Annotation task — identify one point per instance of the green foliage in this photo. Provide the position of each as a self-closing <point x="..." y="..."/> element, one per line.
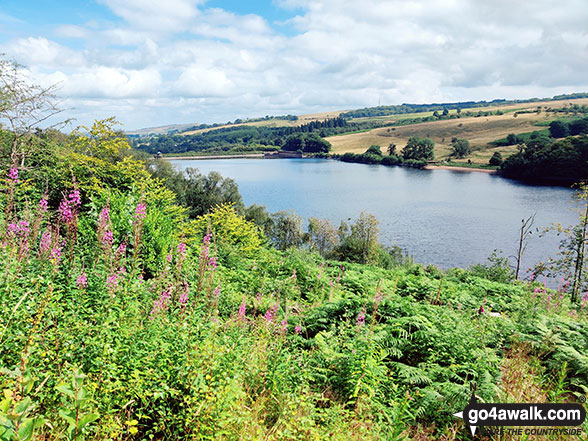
<point x="498" y="268"/>
<point x="306" y="142"/>
<point x="307" y="137"/>
<point x="230" y="230"/>
<point x="461" y="148"/>
<point x="564" y="161"/>
<point x="359" y="242"/>
<point x="418" y="149"/>
<point x="77" y="401"/>
<point x="496" y="159"/>
<point x="285" y="230"/>
<point x="374" y="150"/>
<point x="196" y="192"/>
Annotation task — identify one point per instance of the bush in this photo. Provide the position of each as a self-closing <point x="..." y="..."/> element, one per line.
<point x="496" y="159"/>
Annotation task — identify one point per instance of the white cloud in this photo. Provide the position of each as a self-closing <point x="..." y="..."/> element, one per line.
<point x="107" y="82"/>
<point x="179" y="61"/>
<point x="168" y="15"/>
<point x="197" y="81"/>
<point x="41" y="51"/>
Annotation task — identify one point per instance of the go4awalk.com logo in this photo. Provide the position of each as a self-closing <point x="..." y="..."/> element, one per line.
<point x="562" y="418"/>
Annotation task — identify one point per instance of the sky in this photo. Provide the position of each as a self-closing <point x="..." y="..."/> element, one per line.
<point x="151" y="62"/>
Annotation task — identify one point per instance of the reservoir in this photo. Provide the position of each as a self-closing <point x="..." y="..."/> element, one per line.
<point x="442" y="217"/>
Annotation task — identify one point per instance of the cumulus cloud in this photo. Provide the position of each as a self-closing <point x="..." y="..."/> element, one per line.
<point x="169" y="15"/>
<point x="107" y="82"/>
<point x="198" y="81"/>
<point x="181" y="61"/>
<point x="41" y="51"/>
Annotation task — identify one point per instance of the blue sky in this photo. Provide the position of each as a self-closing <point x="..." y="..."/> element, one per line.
<point x="152" y="63"/>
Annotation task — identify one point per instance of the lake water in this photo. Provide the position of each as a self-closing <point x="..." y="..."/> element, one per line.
<point x="443" y="217"/>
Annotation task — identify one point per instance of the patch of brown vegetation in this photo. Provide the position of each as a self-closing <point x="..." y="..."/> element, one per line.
<point x="479" y="131"/>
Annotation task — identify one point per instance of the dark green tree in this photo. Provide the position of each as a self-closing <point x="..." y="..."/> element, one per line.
<point x="512" y="139"/>
<point x="294" y="143"/>
<point x="578" y="126"/>
<point x="559" y="129"/>
<point x="315" y="144"/>
<point x="461" y="148"/>
<point x="419" y="148"/>
<point x="374" y="150"/>
<point x="496" y="159"/>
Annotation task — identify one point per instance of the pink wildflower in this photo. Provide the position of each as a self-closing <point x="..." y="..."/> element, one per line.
<point x="122" y="248"/>
<point x="217" y="292"/>
<point x="43" y="204"/>
<point x="584" y="301"/>
<point x="212" y="263"/>
<point x="13" y="228"/>
<point x="206" y="239"/>
<point x="162" y="303"/>
<point x="183" y="298"/>
<point x="360" y="319"/>
<point x="65" y="211"/>
<point x="121" y="273"/>
<point x="45" y="242"/>
<point x="13" y="174"/>
<point x="298" y="329"/>
<point x="74" y="198"/>
<point x="182" y="250"/>
<point x="23" y="227"/>
<point x="284" y="324"/>
<point x="270" y="314"/>
<point x="55" y="255"/>
<point x="169" y="258"/>
<point x="104" y="216"/>
<point x="140" y="211"/>
<point x="108" y="238"/>
<point x="378" y="297"/>
<point x="82" y="281"/>
<point x="242" y="310"/>
<point x="112" y="282"/>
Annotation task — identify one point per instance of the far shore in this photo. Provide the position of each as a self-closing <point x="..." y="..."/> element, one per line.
<point x="456" y="168"/>
<point x="261" y="155"/>
<point x="250" y="155"/>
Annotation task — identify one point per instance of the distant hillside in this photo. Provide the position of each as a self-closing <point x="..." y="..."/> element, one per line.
<point x="481" y="123"/>
<point x="480" y="127"/>
<point x="161" y="130"/>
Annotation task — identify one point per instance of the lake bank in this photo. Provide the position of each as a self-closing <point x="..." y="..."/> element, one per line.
<point x="201" y="157"/>
<point x="456" y="168"/>
<point x="261" y="155"/>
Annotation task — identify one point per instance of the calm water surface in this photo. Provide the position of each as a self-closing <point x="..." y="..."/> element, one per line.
<point x="443" y="217"/>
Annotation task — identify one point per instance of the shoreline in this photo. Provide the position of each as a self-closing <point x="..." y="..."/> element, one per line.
<point x="261" y="155"/>
<point x="250" y="155"/>
<point x="457" y="168"/>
